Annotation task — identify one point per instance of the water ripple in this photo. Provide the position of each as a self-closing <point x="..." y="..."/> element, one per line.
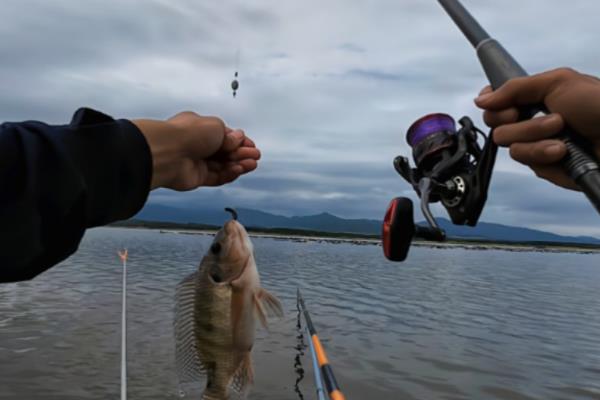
<point x="447" y="324"/>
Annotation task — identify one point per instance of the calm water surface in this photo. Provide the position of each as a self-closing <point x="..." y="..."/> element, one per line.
<point x="447" y="324"/>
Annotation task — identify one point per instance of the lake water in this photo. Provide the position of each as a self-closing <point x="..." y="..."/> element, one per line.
<point x="447" y="324"/>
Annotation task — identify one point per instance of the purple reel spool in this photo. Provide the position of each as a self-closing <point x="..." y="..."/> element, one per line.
<point x="430" y="134"/>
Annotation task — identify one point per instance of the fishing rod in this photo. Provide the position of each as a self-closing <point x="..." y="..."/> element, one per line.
<point x="123" y="257"/>
<point x="499" y="66"/>
<point x="315" y="363"/>
<point x="318" y="353"/>
<point x="454" y="166"/>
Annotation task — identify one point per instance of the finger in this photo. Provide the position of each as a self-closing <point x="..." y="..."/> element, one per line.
<point x="220" y="174"/>
<point x="523" y="90"/>
<point x="544" y="152"/>
<point x="497" y="118"/>
<point x="248" y="142"/>
<point x="248" y="165"/>
<point x="240" y="167"/>
<point x="233" y="140"/>
<point x="554" y="174"/>
<point x="245" y="152"/>
<point x="531" y="130"/>
<point x="230" y="174"/>
<point x="487" y="89"/>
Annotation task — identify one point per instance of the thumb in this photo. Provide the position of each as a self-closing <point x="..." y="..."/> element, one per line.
<point x="520" y="91"/>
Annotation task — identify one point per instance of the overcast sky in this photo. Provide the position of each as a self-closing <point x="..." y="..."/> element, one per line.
<point x="327" y="88"/>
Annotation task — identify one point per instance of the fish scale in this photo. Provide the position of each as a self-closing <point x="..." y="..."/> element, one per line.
<point x="215" y="333"/>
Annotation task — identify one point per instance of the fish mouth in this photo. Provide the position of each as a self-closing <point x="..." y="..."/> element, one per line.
<point x="229" y="248"/>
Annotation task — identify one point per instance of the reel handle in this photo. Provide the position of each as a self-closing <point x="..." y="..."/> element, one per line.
<point x="399" y="229"/>
<point x="433" y="234"/>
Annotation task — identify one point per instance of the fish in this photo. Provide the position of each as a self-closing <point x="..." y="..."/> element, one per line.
<point x="216" y="310"/>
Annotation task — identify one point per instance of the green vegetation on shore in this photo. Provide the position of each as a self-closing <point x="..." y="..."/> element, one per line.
<point x="132" y="223"/>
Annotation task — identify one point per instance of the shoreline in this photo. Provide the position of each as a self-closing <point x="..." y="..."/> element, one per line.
<point x="365" y="241"/>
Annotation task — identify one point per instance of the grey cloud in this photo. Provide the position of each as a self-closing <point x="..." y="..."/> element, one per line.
<point x="352" y="47"/>
<point x="379" y="75"/>
<point x="328" y="89"/>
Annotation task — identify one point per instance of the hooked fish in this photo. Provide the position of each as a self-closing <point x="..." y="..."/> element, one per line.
<point x="216" y="309"/>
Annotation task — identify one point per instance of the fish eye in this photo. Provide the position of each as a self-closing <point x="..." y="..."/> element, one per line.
<point x="215" y="248"/>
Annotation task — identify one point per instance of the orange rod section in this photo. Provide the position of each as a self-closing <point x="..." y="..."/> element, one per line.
<point x="337" y="395"/>
<point x="321" y="356"/>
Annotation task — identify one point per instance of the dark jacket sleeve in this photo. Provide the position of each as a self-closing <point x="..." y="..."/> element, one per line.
<point x="56" y="181"/>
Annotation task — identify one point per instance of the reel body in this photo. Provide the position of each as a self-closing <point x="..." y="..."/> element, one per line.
<point x="451" y="167"/>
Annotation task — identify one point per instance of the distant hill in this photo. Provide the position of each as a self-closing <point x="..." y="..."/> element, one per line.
<point x="499" y="232"/>
<point x="326" y="222"/>
<point x="321" y="222"/>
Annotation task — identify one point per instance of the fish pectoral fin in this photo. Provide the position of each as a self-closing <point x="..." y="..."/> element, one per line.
<point x="271" y="303"/>
<point x="244" y="376"/>
<point x="260" y="311"/>
<point x="189" y="367"/>
<point x="266" y="304"/>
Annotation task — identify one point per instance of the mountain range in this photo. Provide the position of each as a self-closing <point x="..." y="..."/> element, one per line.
<point x="327" y="222"/>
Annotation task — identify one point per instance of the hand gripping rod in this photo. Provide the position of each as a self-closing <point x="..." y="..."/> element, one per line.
<point x="500" y="66"/>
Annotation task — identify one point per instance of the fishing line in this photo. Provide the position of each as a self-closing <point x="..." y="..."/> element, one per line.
<point x="237" y="55"/>
<point x="123" y="255"/>
<point x="300" y="349"/>
<point x="235" y="84"/>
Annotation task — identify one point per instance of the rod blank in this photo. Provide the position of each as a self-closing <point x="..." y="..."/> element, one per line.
<point x="465" y="21"/>
<point x="325" y="369"/>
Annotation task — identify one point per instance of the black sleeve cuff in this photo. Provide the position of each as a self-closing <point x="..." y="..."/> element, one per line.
<point x="115" y="162"/>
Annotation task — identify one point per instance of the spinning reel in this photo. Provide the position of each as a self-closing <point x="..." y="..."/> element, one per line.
<point x="452" y="167"/>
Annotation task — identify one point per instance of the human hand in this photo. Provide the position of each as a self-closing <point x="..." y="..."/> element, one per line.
<point x="571" y="97"/>
<point x="189" y="151"/>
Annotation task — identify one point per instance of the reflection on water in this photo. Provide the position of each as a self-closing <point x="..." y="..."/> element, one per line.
<point x="447" y="324"/>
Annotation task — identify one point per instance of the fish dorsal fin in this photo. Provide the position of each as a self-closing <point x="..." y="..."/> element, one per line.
<point x="266" y="304"/>
<point x="189" y="367"/>
<point x="242" y="379"/>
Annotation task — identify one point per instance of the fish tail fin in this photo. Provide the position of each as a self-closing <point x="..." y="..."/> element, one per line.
<point x="213" y="394"/>
<point x="243" y="377"/>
